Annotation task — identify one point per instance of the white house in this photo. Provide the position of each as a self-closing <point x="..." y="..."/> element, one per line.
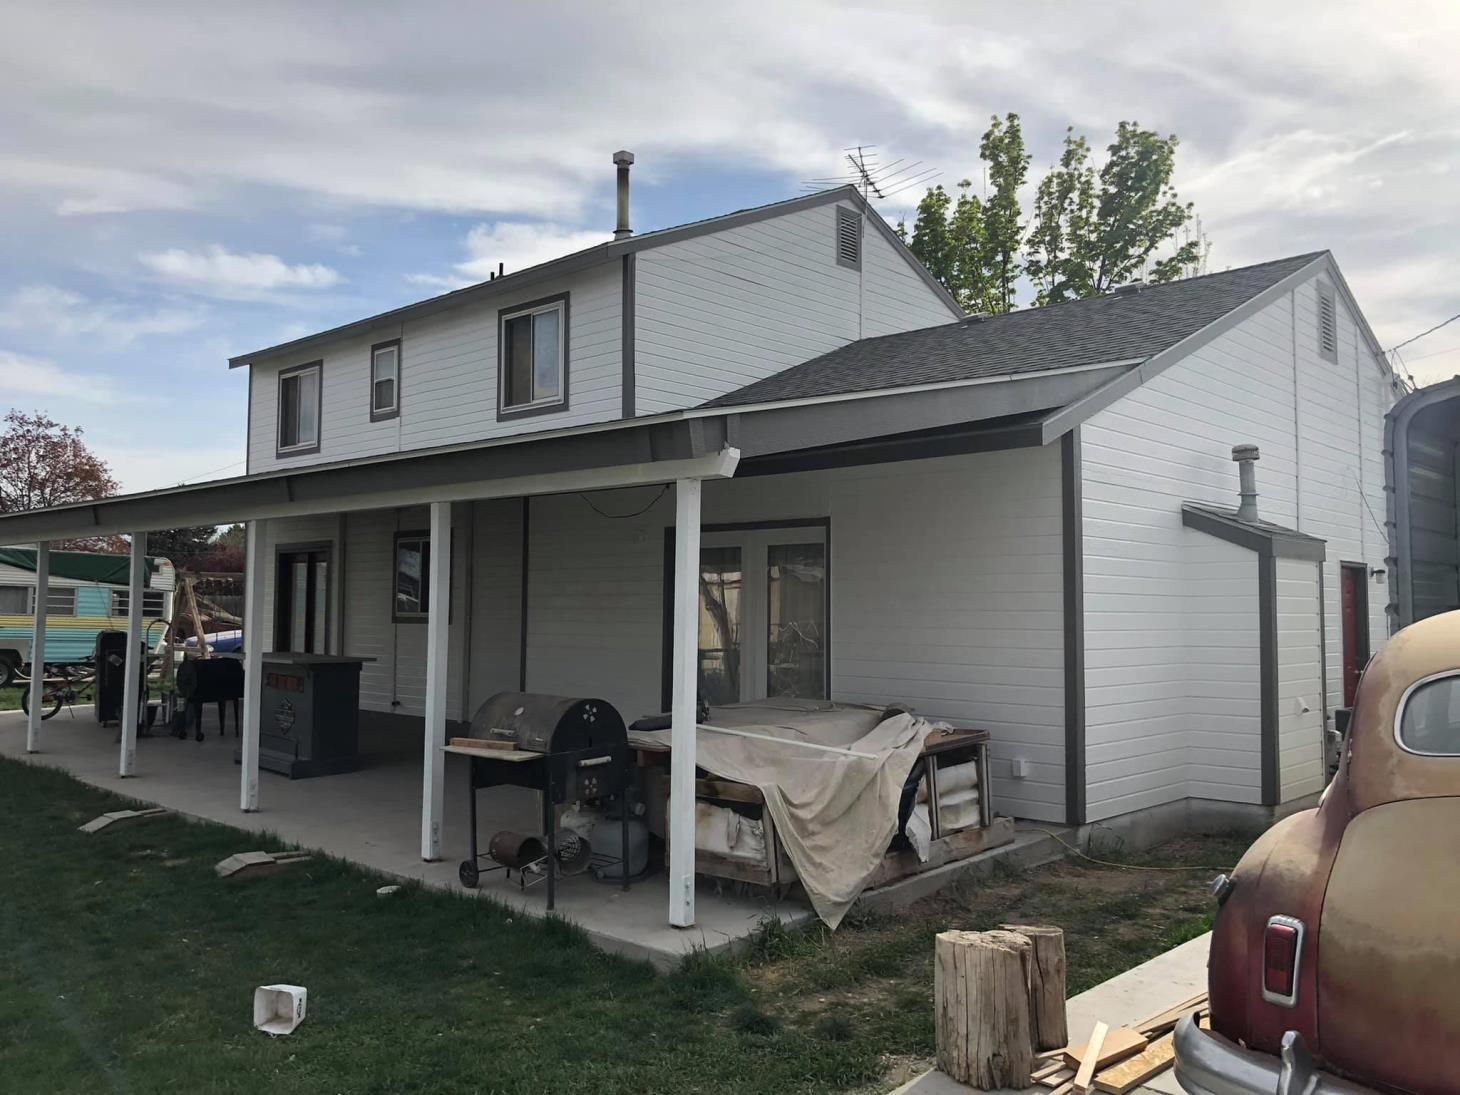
<point x="1027" y="523"/>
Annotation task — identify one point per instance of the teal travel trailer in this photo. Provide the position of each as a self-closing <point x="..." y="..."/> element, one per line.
<point x="87" y="595"/>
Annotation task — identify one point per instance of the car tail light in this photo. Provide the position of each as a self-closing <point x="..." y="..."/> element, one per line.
<point x="1282" y="950"/>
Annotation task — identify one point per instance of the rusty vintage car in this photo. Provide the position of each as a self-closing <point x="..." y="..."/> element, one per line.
<point x="1335" y="958"/>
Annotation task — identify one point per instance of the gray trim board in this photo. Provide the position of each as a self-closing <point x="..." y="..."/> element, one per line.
<point x="1156" y="364"/>
<point x="1323" y="644"/>
<point x="920" y="445"/>
<point x="1268" y="676"/>
<point x="626" y="325"/>
<point x="593" y="256"/>
<point x="248" y="429"/>
<point x="352" y="484"/>
<point x="1270" y="540"/>
<point x="522" y="623"/>
<point x="1073" y="535"/>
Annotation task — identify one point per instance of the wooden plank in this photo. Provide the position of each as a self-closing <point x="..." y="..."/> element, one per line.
<point x="516" y="756"/>
<point x="1064" y="1088"/>
<point x="962" y="844"/>
<point x="1086" y="1072"/>
<point x="1062" y="1078"/>
<point x="481" y="743"/>
<point x="728" y="790"/>
<point x="1134" y="1071"/>
<point x="1119" y="1042"/>
<point x="1163" y="1021"/>
<point x="1048" y="1070"/>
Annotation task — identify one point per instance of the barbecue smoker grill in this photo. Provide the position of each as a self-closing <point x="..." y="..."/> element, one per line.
<point x="568" y="750"/>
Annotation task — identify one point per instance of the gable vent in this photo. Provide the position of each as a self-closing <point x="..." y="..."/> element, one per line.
<point x="1327" y="324"/>
<point x="848" y="238"/>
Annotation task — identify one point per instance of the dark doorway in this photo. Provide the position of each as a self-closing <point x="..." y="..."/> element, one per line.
<point x="301" y="601"/>
<point x="1354" y="609"/>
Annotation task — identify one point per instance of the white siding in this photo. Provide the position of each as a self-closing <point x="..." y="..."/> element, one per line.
<point x="449" y="378"/>
<point x="1170" y="441"/>
<point x="719" y="311"/>
<point x="1300" y="672"/>
<point x="946" y="594"/>
<point x="1221" y="649"/>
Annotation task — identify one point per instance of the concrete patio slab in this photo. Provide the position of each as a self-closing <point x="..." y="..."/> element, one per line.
<point x="372" y="817"/>
<point x="1127" y="998"/>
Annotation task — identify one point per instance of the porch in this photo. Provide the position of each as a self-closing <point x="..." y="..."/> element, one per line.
<point x="372" y="817"/>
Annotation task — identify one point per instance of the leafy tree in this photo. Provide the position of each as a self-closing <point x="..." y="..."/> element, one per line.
<point x="1090" y="230"/>
<point x="184" y="546"/>
<point x="1002" y="148"/>
<point x="43" y="463"/>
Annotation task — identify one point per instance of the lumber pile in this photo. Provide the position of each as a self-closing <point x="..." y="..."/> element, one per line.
<point x="1116" y="1060"/>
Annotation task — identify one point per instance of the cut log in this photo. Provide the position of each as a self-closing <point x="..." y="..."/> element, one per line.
<point x="1085" y="1075"/>
<point x="1046" y="985"/>
<point x="1134" y="1071"/>
<point x="1119" y="1042"/>
<point x="981" y="991"/>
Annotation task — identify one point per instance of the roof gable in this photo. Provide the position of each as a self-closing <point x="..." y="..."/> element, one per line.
<point x="593" y="256"/>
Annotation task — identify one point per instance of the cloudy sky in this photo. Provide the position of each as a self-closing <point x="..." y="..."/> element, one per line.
<point x="181" y="182"/>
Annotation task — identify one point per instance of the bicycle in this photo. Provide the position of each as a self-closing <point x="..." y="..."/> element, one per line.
<point x="63" y="686"/>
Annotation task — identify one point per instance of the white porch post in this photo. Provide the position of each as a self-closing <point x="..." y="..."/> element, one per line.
<point x="255" y="545"/>
<point x="38" y="646"/>
<point x="438" y="609"/>
<point x="132" y="698"/>
<point x="682" y="710"/>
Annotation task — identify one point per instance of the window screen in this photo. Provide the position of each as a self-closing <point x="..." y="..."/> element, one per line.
<point x="533" y="357"/>
<point x="1430" y="719"/>
<point x="385" y="380"/>
<point x="299" y="409"/>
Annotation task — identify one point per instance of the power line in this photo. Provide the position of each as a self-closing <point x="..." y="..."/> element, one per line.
<point x="1422" y="334"/>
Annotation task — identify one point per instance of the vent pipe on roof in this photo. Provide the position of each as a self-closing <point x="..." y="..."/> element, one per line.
<point x="624" y="160"/>
<point x="1246" y="457"/>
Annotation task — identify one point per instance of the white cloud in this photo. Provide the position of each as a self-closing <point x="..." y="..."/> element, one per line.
<point x="220" y="272"/>
<point x="515" y="245"/>
<point x="67" y="314"/>
<point x="33" y="378"/>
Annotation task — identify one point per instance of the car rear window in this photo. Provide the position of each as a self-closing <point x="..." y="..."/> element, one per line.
<point x="1430" y="719"/>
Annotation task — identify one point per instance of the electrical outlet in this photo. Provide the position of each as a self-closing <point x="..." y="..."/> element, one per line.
<point x="1021" y="767"/>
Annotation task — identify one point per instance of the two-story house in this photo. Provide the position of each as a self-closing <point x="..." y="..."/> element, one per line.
<point x="1026" y="522"/>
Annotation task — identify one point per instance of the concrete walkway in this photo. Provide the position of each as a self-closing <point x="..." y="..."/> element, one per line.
<point x="1128" y="998"/>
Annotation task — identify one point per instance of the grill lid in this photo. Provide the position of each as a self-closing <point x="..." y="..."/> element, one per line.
<point x="549" y="724"/>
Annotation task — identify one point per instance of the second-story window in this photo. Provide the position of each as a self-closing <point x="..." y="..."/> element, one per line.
<point x="384" y="380"/>
<point x="299" y="409"/>
<point x="533" y="359"/>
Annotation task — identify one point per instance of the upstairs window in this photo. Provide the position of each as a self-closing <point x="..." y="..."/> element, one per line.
<point x="848" y="238"/>
<point x="385" y="380"/>
<point x="533" y="357"/>
<point x="1327" y="324"/>
<point x="299" y="410"/>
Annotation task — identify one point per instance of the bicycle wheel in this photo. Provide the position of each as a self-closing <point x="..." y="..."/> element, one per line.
<point x="51" y="702"/>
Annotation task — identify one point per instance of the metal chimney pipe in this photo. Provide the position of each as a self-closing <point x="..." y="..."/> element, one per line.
<point x="623" y="160"/>
<point x="1246" y="457"/>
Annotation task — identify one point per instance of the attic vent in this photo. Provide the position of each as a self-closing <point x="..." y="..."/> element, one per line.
<point x="848" y="238"/>
<point x="1327" y="324"/>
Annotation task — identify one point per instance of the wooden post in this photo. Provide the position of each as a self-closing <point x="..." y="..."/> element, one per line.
<point x="981" y="996"/>
<point x="1046" y="985"/>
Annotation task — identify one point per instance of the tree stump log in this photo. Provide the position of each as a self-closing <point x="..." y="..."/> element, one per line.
<point x="1046" y="985"/>
<point x="981" y="991"/>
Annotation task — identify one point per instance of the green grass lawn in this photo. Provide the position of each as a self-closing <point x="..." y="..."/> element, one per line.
<point x="130" y="967"/>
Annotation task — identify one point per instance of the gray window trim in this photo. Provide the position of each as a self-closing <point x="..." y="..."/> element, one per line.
<point x="1326" y="295"/>
<point x="1404" y="703"/>
<point x="843" y="215"/>
<point x="528" y="410"/>
<point x="280" y="451"/>
<point x="1072" y="529"/>
<point x="393" y="412"/>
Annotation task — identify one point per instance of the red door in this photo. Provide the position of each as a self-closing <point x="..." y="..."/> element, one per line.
<point x="1355" y="611"/>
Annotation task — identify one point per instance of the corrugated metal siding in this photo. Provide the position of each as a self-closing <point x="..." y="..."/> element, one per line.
<point x="1319" y="427"/>
<point x="946" y="594"/>
<point x="719" y="311"/>
<point x="449" y="378"/>
<point x="1300" y="680"/>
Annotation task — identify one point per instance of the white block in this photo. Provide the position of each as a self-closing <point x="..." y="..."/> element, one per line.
<point x="278" y="1009"/>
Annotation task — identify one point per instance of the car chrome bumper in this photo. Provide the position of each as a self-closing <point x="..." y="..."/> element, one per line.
<point x="1208" y="1064"/>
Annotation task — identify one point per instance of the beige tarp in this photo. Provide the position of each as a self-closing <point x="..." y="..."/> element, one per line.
<point x="835" y="810"/>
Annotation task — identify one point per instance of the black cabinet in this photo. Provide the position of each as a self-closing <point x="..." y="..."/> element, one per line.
<point x="310" y="716"/>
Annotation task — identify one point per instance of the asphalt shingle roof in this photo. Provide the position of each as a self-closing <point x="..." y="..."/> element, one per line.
<point x="1116" y="327"/>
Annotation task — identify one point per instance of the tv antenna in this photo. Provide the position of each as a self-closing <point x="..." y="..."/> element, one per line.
<point x="876" y="180"/>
